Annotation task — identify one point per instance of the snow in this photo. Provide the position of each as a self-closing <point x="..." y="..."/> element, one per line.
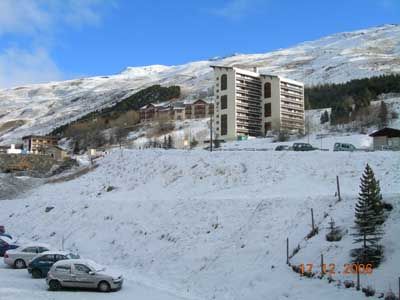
<point x="37" y="109"/>
<point x="204" y="225"/>
<point x="18" y="284"/>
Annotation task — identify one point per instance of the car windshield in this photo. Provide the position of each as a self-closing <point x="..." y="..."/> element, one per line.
<point x="7" y="240"/>
<point x="95" y="266"/>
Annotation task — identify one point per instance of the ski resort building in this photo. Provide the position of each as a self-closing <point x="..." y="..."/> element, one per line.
<point x="178" y="110"/>
<point x="252" y="104"/>
<point x="36" y="144"/>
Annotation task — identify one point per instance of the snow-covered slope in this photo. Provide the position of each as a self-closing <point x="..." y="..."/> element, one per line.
<point x="336" y="58"/>
<point x="211" y="225"/>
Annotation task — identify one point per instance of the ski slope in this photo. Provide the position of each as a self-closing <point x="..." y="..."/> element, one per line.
<point x="203" y="225"/>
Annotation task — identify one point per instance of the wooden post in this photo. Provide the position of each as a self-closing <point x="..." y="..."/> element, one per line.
<point x="322" y="264"/>
<point x="287" y="251"/>
<point x="312" y="220"/>
<point x="399" y="287"/>
<point x="358" y="277"/>
<point x="211" y="133"/>
<point x="338" y="188"/>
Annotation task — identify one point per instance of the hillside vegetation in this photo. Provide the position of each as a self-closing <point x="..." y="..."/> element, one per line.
<point x="351" y="101"/>
<point x="120" y="119"/>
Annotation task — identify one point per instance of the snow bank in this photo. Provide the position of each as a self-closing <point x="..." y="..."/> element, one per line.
<point x="209" y="225"/>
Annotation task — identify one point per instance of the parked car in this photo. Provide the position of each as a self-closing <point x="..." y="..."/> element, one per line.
<point x="82" y="273"/>
<point x="20" y="257"/>
<point x="343" y="147"/>
<point x="282" y="148"/>
<point x="302" y="147"/>
<point x="40" y="265"/>
<point x="3" y="232"/>
<point x="6" y="244"/>
<point x="6" y="235"/>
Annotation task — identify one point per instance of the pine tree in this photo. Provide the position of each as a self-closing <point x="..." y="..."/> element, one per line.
<point x="170" y="143"/>
<point x="324" y="117"/>
<point x="165" y="143"/>
<point x="368" y="218"/>
<point x="335" y="233"/>
<point x="383" y="115"/>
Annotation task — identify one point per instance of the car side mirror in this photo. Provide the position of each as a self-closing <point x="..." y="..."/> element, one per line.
<point x="91" y="273"/>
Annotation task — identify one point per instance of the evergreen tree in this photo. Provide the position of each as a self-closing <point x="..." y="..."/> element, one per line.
<point x="324" y="117"/>
<point x="193" y="143"/>
<point x="170" y="143"/>
<point x="165" y="143"/>
<point x="368" y="218"/>
<point x="383" y="115"/>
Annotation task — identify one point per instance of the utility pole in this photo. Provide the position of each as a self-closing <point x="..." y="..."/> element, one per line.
<point x="211" y="132"/>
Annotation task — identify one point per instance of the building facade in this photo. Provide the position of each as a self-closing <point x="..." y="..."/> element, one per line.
<point x="178" y="110"/>
<point x="36" y="144"/>
<point x="386" y="139"/>
<point x="251" y="104"/>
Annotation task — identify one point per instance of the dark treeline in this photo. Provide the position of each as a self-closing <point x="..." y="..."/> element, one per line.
<point x="358" y="92"/>
<point x="155" y="93"/>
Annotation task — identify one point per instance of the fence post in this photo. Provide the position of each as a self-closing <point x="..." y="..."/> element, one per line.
<point x="312" y="220"/>
<point x="338" y="188"/>
<point x="358" y="276"/>
<point x="399" y="287"/>
<point x="287" y="251"/>
<point x="322" y="264"/>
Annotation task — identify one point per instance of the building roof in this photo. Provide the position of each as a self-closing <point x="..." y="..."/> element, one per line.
<point x="47" y="137"/>
<point x="388" y="132"/>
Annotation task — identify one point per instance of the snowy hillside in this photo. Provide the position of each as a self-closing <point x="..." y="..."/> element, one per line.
<point x="208" y="225"/>
<point x="336" y="58"/>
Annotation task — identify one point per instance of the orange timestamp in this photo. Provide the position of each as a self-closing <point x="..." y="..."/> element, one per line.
<point x="330" y="269"/>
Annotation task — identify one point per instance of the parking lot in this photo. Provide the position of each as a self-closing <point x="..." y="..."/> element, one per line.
<point x="18" y="284"/>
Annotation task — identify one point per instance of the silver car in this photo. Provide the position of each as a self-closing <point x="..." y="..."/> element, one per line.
<point x="82" y="273"/>
<point x="20" y="257"/>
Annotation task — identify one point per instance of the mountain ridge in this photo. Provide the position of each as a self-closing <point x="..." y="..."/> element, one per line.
<point x="332" y="59"/>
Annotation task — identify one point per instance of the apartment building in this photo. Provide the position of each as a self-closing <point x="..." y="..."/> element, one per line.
<point x="37" y="144"/>
<point x="178" y="110"/>
<point x="251" y="104"/>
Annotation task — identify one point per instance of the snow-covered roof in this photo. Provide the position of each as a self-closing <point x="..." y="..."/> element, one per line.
<point x="33" y="244"/>
<point x="55" y="252"/>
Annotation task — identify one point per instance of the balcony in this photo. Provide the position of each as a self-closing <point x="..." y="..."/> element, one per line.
<point x="256" y="89"/>
<point x="290" y="126"/>
<point x="293" y="88"/>
<point x="246" y="99"/>
<point x="291" y="120"/>
<point x="298" y="107"/>
<point x="293" y="113"/>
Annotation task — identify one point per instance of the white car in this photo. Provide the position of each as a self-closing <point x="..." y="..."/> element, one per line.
<point x="83" y="273"/>
<point x="20" y="257"/>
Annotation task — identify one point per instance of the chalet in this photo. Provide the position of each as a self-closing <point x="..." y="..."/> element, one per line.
<point x="56" y="152"/>
<point x="178" y="110"/>
<point x="386" y="138"/>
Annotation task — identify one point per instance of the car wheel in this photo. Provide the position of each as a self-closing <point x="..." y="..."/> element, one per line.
<point x="54" y="285"/>
<point x="104" y="287"/>
<point x="19" y="264"/>
<point x="36" y="273"/>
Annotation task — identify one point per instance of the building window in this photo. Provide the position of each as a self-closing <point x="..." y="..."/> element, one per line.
<point x="267" y="126"/>
<point x="224" y="82"/>
<point x="224" y="102"/>
<point x="224" y="124"/>
<point x="267" y="110"/>
<point x="267" y="90"/>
